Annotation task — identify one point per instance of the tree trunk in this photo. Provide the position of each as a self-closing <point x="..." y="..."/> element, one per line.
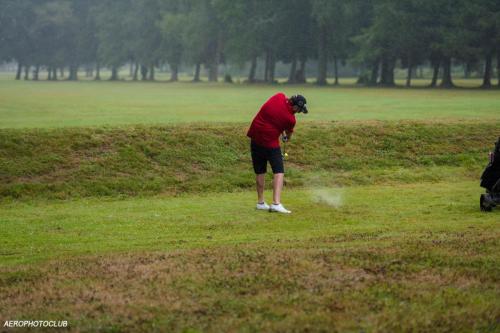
<point x="213" y="71"/>
<point x="447" y="82"/>
<point x="498" y="68"/>
<point x="131" y="69"/>
<point x="197" y="71"/>
<point x="387" y="72"/>
<point x="336" y="70"/>
<point x="487" y="71"/>
<point x="97" y="72"/>
<point x="300" y="76"/>
<point x="272" y="68"/>
<point x="266" y="67"/>
<point x="61" y="71"/>
<point x="174" y="69"/>
<point x="114" y="73"/>
<point x="27" y="72"/>
<point x="144" y="73"/>
<point x="19" y="71"/>
<point x="408" y="75"/>
<point x="36" y="71"/>
<point x="54" y="73"/>
<point x="73" y="73"/>
<point x="467" y="70"/>
<point x="49" y="73"/>
<point x="374" y="73"/>
<point x="135" y="74"/>
<point x="293" y="69"/>
<point x="253" y="69"/>
<point x="435" y="73"/>
<point x="213" y="68"/>
<point x="322" y="57"/>
<point x="152" y="72"/>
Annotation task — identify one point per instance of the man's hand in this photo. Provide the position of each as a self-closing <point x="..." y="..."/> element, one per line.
<point x="286" y="136"/>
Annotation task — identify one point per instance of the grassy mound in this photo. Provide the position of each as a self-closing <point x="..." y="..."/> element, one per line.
<point x="83" y="162"/>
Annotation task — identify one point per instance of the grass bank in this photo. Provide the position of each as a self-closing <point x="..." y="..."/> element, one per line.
<point x="86" y="162"/>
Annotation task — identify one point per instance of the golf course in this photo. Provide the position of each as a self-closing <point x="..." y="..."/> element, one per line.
<point x="130" y="206"/>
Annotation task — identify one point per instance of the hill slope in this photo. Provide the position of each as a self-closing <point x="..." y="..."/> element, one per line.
<point x="82" y="162"/>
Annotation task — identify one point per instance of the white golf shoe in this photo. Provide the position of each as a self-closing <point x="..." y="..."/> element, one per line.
<point x="262" y="206"/>
<point x="279" y="209"/>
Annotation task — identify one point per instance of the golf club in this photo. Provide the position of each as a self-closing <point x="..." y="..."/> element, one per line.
<point x="284" y="154"/>
<point x="284" y="139"/>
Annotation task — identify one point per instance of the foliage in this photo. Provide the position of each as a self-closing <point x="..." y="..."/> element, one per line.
<point x="371" y="34"/>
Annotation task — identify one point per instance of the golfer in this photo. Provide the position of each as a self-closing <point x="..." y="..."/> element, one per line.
<point x="276" y="117"/>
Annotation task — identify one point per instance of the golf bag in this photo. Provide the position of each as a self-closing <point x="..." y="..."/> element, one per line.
<point x="490" y="180"/>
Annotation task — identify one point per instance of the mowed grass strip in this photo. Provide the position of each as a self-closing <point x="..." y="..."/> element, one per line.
<point x="85" y="162"/>
<point x="25" y="104"/>
<point x="39" y="231"/>
<point x="376" y="258"/>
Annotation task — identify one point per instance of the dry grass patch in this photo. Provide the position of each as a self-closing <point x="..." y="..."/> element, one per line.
<point x="255" y="288"/>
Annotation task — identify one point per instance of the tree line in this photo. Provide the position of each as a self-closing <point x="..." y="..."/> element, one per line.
<point x="375" y="36"/>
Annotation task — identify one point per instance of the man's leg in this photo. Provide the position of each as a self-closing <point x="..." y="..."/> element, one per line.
<point x="277" y="187"/>
<point x="260" y="181"/>
<point x="279" y="174"/>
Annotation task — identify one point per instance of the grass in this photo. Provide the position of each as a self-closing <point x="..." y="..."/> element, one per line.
<point x="130" y="207"/>
<point x="409" y="257"/>
<point x="79" y="162"/>
<point x="68" y="104"/>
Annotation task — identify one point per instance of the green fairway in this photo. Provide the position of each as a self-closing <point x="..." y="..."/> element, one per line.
<point x="384" y="253"/>
<point x="61" y="104"/>
<point x="45" y="230"/>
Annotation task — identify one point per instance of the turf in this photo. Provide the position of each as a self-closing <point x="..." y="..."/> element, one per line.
<point x="118" y="213"/>
<point x="69" y="104"/>
<point x="408" y="257"/>
<point x="79" y="162"/>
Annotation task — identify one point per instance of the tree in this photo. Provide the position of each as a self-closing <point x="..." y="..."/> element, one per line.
<point x="144" y="35"/>
<point x="113" y="33"/>
<point x="332" y="31"/>
<point x="412" y="34"/>
<point x="172" y="26"/>
<point x="448" y="34"/>
<point x="17" y="16"/>
<point x="360" y="17"/>
<point x="248" y="24"/>
<point x="481" y="18"/>
<point x="53" y="36"/>
<point x="380" y="41"/>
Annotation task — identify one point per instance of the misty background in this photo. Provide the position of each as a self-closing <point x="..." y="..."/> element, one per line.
<point x="255" y="40"/>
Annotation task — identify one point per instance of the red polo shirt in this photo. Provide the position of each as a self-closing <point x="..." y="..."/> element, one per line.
<point x="274" y="117"/>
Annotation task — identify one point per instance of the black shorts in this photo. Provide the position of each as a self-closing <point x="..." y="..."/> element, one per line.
<point x="261" y="155"/>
